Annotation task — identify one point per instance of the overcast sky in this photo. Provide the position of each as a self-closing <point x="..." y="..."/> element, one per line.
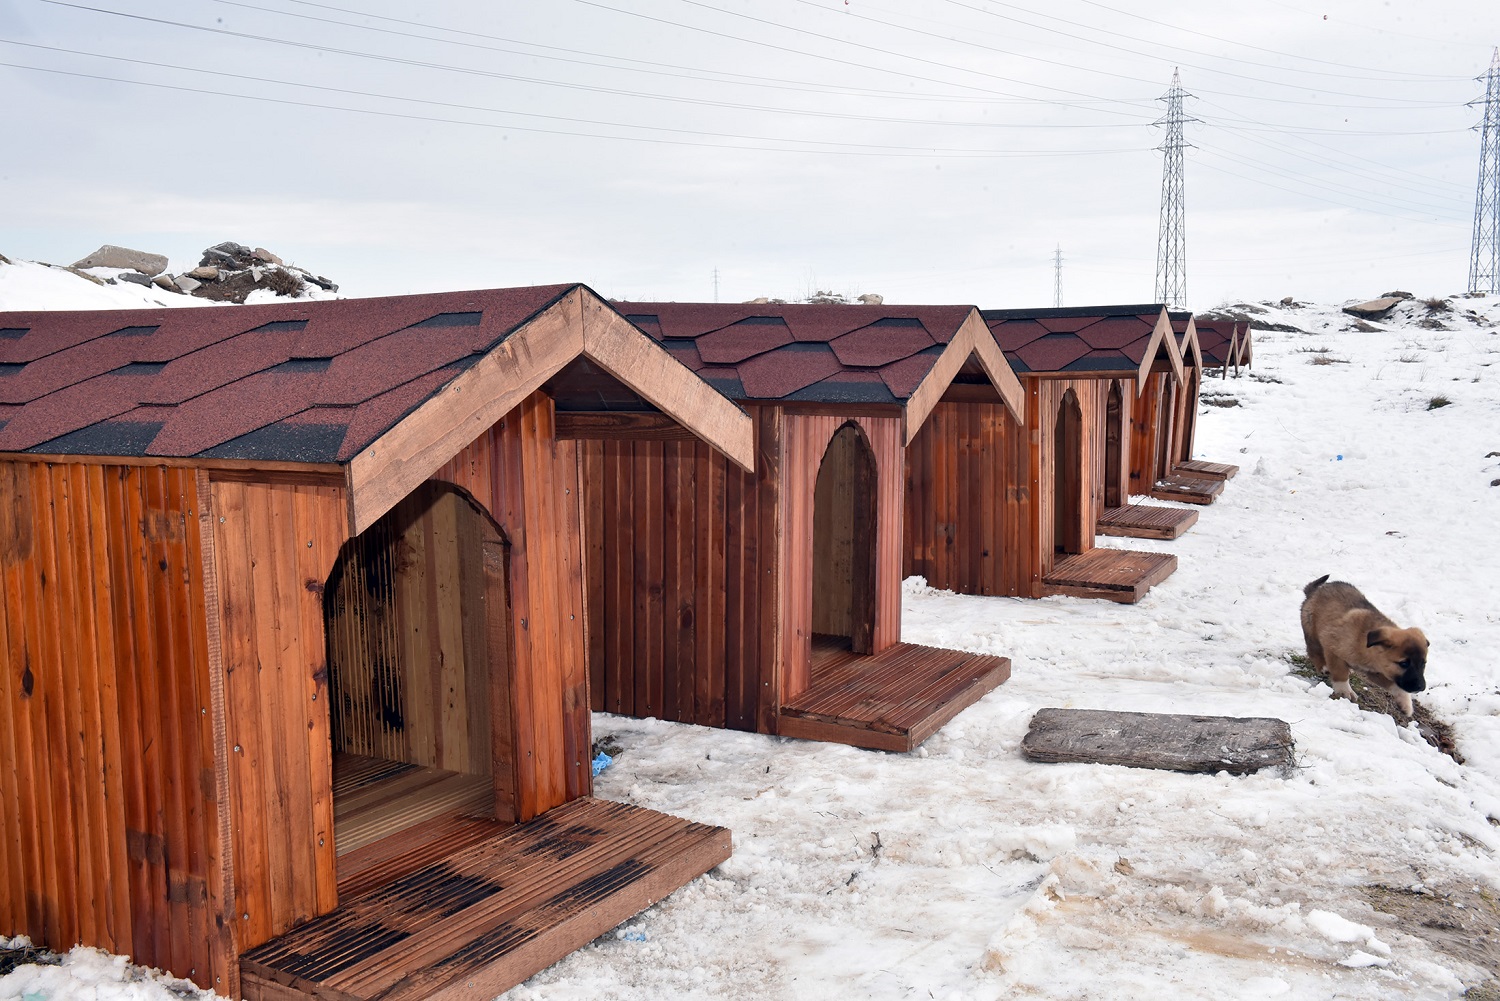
<point x="928" y="151"/>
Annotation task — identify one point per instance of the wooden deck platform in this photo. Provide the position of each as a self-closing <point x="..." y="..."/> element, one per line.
<point x="1208" y="470"/>
<point x="891" y="701"/>
<point x="1146" y="521"/>
<point x="477" y="919"/>
<point x="1121" y="575"/>
<point x="1191" y="489"/>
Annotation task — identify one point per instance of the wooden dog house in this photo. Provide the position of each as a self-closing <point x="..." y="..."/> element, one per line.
<point x="296" y="694"/>
<point x="1185" y="418"/>
<point x="1218" y="343"/>
<point x="1007" y="507"/>
<point x="771" y="601"/>
<point x="1156" y="431"/>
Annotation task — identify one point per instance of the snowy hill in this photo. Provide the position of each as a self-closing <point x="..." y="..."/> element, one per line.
<point x="963" y="871"/>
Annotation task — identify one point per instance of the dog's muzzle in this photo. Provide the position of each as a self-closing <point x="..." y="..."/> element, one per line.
<point x="1411" y="683"/>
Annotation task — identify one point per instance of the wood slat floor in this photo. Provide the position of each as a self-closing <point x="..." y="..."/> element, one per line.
<point x="1208" y="470"/>
<point x="1146" y="521"/>
<point x="1121" y="575"/>
<point x="1191" y="489"/>
<point x="373" y="798"/>
<point x="476" y="920"/>
<point x="891" y="701"/>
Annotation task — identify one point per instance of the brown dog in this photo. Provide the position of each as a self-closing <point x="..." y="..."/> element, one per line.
<point x="1345" y="632"/>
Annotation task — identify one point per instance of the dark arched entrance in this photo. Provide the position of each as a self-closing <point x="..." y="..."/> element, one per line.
<point x="1114" y="446"/>
<point x="1067" y="476"/>
<point x="1166" y="411"/>
<point x="843" y="594"/>
<point x="1189" y="416"/>
<point x="420" y="664"/>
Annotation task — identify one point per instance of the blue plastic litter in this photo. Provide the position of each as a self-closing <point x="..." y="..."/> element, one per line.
<point x="601" y="761"/>
<point x="634" y="936"/>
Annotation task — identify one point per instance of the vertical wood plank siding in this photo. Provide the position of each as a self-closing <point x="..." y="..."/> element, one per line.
<point x="109" y="827"/>
<point x="274" y="545"/>
<point x="1151" y="432"/>
<point x="805" y="441"/>
<point x="707" y="651"/>
<point x="979" y="489"/>
<point x="702" y="574"/>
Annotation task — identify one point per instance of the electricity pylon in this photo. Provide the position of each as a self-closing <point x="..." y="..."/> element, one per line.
<point x="1484" y="260"/>
<point x="1171" y="240"/>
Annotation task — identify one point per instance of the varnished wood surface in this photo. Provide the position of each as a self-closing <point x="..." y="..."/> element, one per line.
<point x="109" y="813"/>
<point x="1189" y="489"/>
<point x="478" y="920"/>
<point x="1114" y="574"/>
<point x="1146" y="521"/>
<point x="805" y="444"/>
<point x="1208" y="470"/>
<point x="891" y="701"/>
<point x="374" y="798"/>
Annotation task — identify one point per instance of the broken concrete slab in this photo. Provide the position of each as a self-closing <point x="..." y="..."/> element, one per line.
<point x="1238" y="745"/>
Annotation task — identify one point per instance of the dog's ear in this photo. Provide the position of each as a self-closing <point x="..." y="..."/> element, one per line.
<point x="1376" y="637"/>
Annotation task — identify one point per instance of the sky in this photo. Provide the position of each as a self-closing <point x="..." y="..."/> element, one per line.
<point x="931" y="151"/>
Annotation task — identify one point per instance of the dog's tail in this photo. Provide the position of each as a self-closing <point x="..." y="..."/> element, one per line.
<point x="1309" y="589"/>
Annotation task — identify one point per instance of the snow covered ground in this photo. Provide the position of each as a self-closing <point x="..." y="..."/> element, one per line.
<point x="964" y="872"/>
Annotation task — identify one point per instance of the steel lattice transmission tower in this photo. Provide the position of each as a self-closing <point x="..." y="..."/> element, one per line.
<point x="1484" y="261"/>
<point x="1171" y="240"/>
<point x="1057" y="277"/>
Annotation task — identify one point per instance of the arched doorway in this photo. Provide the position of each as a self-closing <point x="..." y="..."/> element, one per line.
<point x="1189" y="416"/>
<point x="1165" y="411"/>
<point x="1067" y="477"/>
<point x="420" y="662"/>
<point x="843" y="594"/>
<point x="1114" y="446"/>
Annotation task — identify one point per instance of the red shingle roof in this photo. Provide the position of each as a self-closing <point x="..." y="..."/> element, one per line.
<point x="300" y="381"/>
<point x="1075" y="338"/>
<point x="815" y="353"/>
<point x="1214" y="339"/>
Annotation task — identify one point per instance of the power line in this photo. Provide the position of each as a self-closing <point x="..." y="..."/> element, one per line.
<point x="1484" y="257"/>
<point x="803" y="145"/>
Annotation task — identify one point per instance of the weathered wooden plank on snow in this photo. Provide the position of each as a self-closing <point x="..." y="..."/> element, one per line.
<point x="1159" y="740"/>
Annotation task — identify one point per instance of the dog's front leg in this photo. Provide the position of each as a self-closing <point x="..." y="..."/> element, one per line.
<point x="1401" y="698"/>
<point x="1338" y="674"/>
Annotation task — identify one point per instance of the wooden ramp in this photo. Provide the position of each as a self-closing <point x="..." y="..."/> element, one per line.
<point x="1146" y="521"/>
<point x="1208" y="470"/>
<point x="1192" y="489"/>
<point x="478" y="919"/>
<point x="893" y="700"/>
<point x="1121" y="575"/>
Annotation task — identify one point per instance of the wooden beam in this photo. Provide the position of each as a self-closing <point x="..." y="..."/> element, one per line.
<point x="221" y="888"/>
<point x="395" y="463"/>
<point x="1161" y="332"/>
<point x="619" y="425"/>
<point x="625" y="352"/>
